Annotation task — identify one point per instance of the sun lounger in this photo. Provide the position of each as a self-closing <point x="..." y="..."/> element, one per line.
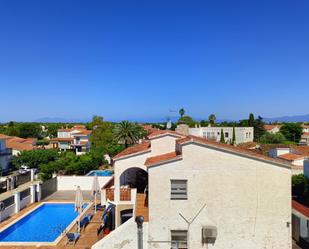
<point x="84" y="222"/>
<point x="72" y="238"/>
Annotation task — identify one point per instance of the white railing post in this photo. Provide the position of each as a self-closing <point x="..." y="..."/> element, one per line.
<point x="39" y="191"/>
<point x="17" y="201"/>
<point x="32" y="193"/>
<point x="32" y="174"/>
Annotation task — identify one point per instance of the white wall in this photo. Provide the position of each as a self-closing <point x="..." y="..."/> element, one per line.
<point x="242" y="134"/>
<point x="124" y="237"/>
<point x="278" y="152"/>
<point x="162" y="145"/>
<point x="247" y="200"/>
<point x="85" y="182"/>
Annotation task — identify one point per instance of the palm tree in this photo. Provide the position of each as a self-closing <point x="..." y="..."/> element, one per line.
<point x="182" y="112"/>
<point x="212" y="118"/>
<point x="128" y="133"/>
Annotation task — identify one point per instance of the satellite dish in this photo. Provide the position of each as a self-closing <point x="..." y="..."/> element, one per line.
<point x="169" y="124"/>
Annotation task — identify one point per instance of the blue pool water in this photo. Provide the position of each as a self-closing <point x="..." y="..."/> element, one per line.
<point x="100" y="173"/>
<point x="44" y="224"/>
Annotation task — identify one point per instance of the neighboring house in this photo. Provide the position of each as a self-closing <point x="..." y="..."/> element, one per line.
<point x="242" y="134"/>
<point x="5" y="154"/>
<point x="227" y="192"/>
<point x="18" y="144"/>
<point x="75" y="139"/>
<point x="304" y="140"/>
<point x="305" y="128"/>
<point x="272" y="128"/>
<point x="300" y="224"/>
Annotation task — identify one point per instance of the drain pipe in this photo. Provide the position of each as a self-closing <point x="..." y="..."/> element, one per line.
<point x="139" y="221"/>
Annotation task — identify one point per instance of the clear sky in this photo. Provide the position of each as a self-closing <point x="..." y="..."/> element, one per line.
<point x="139" y="59"/>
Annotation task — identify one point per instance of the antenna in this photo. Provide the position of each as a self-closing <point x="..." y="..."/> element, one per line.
<point x="189" y="222"/>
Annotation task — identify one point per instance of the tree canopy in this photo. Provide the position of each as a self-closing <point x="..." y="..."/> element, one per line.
<point x="272" y="138"/>
<point x="128" y="133"/>
<point x="292" y="131"/>
<point x="182" y="112"/>
<point x="212" y="119"/>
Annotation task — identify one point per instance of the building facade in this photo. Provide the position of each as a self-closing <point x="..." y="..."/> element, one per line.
<point x="75" y="139"/>
<point x="242" y="134"/>
<point x="198" y="193"/>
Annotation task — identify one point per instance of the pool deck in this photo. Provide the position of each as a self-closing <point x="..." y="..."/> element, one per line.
<point x="87" y="239"/>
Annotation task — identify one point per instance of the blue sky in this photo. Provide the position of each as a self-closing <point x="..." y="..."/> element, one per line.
<point x="139" y="59"/>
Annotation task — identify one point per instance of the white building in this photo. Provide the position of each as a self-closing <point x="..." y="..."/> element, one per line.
<point x="75" y="138"/>
<point x="5" y="154"/>
<point x="231" y="190"/>
<point x="242" y="134"/>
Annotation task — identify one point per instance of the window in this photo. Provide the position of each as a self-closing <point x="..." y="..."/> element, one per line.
<point x="179" y="239"/>
<point x="226" y="134"/>
<point x="179" y="190"/>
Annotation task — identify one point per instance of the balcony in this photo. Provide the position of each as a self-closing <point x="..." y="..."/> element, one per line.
<point x="6" y="152"/>
<point x="125" y="194"/>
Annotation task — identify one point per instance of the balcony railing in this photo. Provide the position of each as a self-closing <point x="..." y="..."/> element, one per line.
<point x="125" y="194"/>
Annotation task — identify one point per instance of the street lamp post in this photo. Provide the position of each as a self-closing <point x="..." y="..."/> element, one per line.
<point x="139" y="221"/>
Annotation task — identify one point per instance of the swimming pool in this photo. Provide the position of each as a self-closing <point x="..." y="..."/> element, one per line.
<point x="43" y="224"/>
<point x="100" y="173"/>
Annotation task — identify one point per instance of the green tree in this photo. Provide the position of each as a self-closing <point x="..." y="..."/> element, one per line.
<point x="251" y="120"/>
<point x="271" y="138"/>
<point x="96" y="121"/>
<point x="188" y="121"/>
<point x="128" y="133"/>
<point x="32" y="130"/>
<point x="299" y="185"/>
<point x="182" y="112"/>
<point x="12" y="129"/>
<point x="292" y="131"/>
<point x="222" y="140"/>
<point x="204" y="123"/>
<point x="259" y="129"/>
<point x="34" y="158"/>
<point x="52" y="129"/>
<point x="212" y="119"/>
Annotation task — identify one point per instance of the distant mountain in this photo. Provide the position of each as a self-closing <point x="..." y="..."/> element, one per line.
<point x="60" y="120"/>
<point x="296" y="118"/>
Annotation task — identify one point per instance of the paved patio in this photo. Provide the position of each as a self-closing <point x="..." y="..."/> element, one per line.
<point x="68" y="196"/>
<point x="87" y="239"/>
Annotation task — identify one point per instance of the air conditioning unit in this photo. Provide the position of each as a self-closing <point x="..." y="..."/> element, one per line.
<point x="209" y="235"/>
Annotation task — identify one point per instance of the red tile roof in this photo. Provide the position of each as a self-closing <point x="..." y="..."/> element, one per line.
<point x="135" y="149"/>
<point x="18" y="143"/>
<point x="270" y="127"/>
<point x="62" y="139"/>
<point x="291" y="156"/>
<point x="300" y="208"/>
<point x="234" y="149"/>
<point x="2" y="136"/>
<point x="161" y="158"/>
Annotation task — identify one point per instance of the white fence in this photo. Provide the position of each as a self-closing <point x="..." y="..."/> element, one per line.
<point x="85" y="182"/>
<point x="9" y="211"/>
